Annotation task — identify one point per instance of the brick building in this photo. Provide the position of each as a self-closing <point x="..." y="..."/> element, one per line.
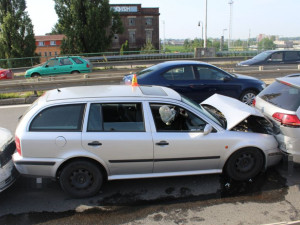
<point x="48" y="46"/>
<point x="140" y="25"/>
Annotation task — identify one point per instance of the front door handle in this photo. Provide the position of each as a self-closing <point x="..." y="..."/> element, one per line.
<point x="162" y="143"/>
<point x="95" y="143"/>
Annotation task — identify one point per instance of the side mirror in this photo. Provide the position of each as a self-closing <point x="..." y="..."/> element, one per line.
<point x="207" y="129"/>
<point x="226" y="79"/>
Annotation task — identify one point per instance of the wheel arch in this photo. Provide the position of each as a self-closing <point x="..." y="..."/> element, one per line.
<point x="75" y="71"/>
<point x="70" y="160"/>
<point x="35" y="73"/>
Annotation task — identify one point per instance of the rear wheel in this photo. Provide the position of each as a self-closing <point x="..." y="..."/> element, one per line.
<point x="245" y="164"/>
<point x="75" y="72"/>
<point x="81" y="179"/>
<point x="248" y="97"/>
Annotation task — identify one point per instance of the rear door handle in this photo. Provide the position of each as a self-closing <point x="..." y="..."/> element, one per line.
<point x="95" y="143"/>
<point x="162" y="143"/>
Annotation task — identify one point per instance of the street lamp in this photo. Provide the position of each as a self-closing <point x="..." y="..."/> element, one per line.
<point x="200" y="24"/>
<point x="222" y="40"/>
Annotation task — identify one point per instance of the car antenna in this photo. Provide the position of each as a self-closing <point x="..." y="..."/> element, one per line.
<point x="58" y="90"/>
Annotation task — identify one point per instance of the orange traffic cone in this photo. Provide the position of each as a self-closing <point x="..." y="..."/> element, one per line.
<point x="134" y="82"/>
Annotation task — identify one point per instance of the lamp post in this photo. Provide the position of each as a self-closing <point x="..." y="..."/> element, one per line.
<point x="222" y="40"/>
<point x="205" y="36"/>
<point x="200" y="24"/>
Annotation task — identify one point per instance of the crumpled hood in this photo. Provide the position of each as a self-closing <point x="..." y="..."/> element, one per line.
<point x="233" y="110"/>
<point x="5" y="136"/>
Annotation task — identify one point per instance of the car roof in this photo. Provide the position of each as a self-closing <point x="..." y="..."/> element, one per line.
<point x="182" y="62"/>
<point x="111" y="91"/>
<point x="293" y="80"/>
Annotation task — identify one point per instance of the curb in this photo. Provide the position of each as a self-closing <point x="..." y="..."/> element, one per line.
<point x="17" y="101"/>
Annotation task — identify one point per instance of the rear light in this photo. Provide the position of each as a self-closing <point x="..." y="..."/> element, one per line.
<point x="254" y="102"/>
<point x="87" y="65"/>
<point x="18" y="145"/>
<point x="287" y="119"/>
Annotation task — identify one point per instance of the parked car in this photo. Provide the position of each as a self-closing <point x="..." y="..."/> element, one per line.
<point x="199" y="80"/>
<point x="83" y="136"/>
<point x="280" y="102"/>
<point x="6" y="74"/>
<point x="8" y="172"/>
<point x="61" y="65"/>
<point x="273" y="57"/>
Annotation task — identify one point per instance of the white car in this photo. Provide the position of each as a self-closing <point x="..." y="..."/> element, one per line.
<point x="84" y="135"/>
<point x="8" y="173"/>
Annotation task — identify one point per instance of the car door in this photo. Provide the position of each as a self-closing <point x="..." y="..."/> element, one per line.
<point x="179" y="142"/>
<point x="212" y="80"/>
<point x="181" y="79"/>
<point x="118" y="134"/>
<point x="275" y="58"/>
<point x="50" y="67"/>
<point x="65" y="65"/>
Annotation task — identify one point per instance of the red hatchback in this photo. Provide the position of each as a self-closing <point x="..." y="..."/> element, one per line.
<point x="6" y="74"/>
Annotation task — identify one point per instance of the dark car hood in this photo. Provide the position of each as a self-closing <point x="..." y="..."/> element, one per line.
<point x="244" y="77"/>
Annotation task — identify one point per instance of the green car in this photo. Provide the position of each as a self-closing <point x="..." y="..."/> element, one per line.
<point x="61" y="65"/>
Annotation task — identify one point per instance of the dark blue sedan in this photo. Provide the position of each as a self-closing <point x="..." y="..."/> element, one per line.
<point x="199" y="80"/>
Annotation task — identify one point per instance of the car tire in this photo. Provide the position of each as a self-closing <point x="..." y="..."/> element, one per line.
<point x="75" y="72"/>
<point x="248" y="97"/>
<point x="81" y="179"/>
<point x="244" y="164"/>
<point x="35" y="75"/>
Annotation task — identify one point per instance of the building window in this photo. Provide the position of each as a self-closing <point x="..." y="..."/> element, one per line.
<point x="132" y="36"/>
<point x="52" y="42"/>
<point x="41" y="43"/>
<point x="149" y="21"/>
<point x="55" y="53"/>
<point x="131" y="21"/>
<point x="149" y="36"/>
<point x="50" y="53"/>
<point x="45" y="53"/>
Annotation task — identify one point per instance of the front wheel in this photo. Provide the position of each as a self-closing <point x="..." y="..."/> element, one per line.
<point x="248" y="97"/>
<point x="81" y="179"/>
<point x="244" y="164"/>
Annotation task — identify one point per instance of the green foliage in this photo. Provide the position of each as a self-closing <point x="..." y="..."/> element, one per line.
<point x="89" y="26"/>
<point x="266" y="44"/>
<point x="148" y="48"/>
<point x="124" y="48"/>
<point x="16" y="32"/>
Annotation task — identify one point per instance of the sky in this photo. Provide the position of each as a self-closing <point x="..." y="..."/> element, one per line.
<point x="179" y="18"/>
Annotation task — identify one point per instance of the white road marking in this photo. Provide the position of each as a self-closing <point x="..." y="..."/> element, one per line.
<point x="14" y="106"/>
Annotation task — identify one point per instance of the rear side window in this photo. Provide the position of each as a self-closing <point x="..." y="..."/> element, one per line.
<point x="292" y="56"/>
<point x="116" y="117"/>
<point x="77" y="60"/>
<point x="59" y="118"/>
<point x="282" y="95"/>
<point x="180" y="73"/>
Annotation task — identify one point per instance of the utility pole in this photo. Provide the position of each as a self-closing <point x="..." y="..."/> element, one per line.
<point x="164" y="46"/>
<point x="205" y="36"/>
<point x="230" y="24"/>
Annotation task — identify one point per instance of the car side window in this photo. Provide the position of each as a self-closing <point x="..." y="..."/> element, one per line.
<point x="180" y="73"/>
<point x="276" y="57"/>
<point x="292" y="56"/>
<point x="52" y="63"/>
<point x="116" y="117"/>
<point x="171" y="118"/>
<point x="207" y="73"/>
<point x="64" y="62"/>
<point x="77" y="60"/>
<point x="59" y="118"/>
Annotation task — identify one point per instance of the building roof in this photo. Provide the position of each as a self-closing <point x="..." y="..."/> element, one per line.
<point x="56" y="37"/>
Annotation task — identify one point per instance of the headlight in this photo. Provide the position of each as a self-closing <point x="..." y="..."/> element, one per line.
<point x="2" y="75"/>
<point x="263" y="86"/>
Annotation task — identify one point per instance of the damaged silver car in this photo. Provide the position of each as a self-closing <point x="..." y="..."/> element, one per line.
<point x="8" y="172"/>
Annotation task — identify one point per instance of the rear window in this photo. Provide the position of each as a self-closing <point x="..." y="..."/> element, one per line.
<point x="282" y="95"/>
<point x="77" y="60"/>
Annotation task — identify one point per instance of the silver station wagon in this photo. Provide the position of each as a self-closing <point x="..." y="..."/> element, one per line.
<point x="83" y="136"/>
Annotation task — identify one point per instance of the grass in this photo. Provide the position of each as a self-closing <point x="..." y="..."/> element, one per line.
<point x="20" y="94"/>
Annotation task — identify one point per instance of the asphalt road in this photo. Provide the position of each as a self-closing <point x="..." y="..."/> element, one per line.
<point x="211" y="199"/>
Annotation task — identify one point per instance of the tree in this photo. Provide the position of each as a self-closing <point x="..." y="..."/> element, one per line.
<point x="266" y="44"/>
<point x="89" y="25"/>
<point x="16" y="32"/>
<point x="148" y="48"/>
<point x="124" y="48"/>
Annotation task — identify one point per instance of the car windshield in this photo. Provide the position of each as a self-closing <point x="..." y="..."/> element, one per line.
<point x="262" y="56"/>
<point x="146" y="71"/>
<point x="198" y="107"/>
